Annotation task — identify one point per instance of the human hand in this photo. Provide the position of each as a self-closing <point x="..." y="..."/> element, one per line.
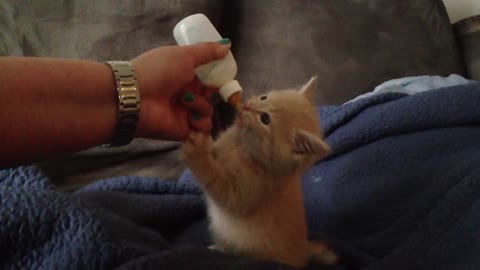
<point x="173" y="101"/>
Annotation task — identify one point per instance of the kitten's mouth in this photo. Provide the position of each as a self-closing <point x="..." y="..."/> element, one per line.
<point x="242" y="115"/>
<point x="248" y="109"/>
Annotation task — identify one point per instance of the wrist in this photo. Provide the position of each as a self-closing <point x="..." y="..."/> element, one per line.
<point x="128" y="102"/>
<point x="145" y="114"/>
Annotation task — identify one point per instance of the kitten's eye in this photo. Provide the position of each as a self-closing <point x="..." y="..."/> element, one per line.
<point x="263" y="97"/>
<point x="265" y="118"/>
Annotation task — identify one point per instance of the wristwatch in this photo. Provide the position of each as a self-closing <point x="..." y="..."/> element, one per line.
<point x="128" y="102"/>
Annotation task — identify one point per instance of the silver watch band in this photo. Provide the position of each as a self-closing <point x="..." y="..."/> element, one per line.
<point x="128" y="102"/>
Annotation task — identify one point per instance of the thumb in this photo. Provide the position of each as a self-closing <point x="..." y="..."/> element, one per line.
<point x="206" y="52"/>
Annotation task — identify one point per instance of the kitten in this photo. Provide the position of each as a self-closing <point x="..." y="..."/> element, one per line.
<point x="251" y="177"/>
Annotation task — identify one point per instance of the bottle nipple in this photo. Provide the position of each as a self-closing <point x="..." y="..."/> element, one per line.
<point x="232" y="93"/>
<point x="236" y="101"/>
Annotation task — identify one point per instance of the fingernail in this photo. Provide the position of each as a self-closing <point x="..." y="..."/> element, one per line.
<point x="196" y="116"/>
<point x="224" y="41"/>
<point x="189" y="97"/>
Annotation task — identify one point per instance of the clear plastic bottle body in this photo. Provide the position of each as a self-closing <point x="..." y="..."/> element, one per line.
<point x="220" y="73"/>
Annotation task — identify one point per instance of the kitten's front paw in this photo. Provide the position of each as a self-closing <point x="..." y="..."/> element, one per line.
<point x="197" y="147"/>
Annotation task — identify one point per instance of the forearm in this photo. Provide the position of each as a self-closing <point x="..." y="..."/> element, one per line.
<point x="53" y="106"/>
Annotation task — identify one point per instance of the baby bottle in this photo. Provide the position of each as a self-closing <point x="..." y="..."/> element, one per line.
<point x="220" y="73"/>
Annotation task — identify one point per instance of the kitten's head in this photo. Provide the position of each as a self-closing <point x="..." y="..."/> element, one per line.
<point x="281" y="130"/>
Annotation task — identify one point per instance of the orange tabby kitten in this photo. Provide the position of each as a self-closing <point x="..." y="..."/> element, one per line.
<point x="251" y="177"/>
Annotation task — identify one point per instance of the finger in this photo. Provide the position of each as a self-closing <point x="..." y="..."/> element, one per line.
<point x="198" y="87"/>
<point x="203" y="125"/>
<point x="212" y="95"/>
<point x="191" y="87"/>
<point x="197" y="103"/>
<point x="206" y="52"/>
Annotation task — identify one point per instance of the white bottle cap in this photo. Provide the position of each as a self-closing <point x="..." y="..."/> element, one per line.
<point x="229" y="89"/>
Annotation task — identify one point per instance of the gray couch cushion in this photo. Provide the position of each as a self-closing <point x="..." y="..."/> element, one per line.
<point x="352" y="45"/>
<point x="468" y="31"/>
<point x="97" y="30"/>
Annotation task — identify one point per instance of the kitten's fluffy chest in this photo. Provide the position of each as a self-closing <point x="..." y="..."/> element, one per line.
<point x="276" y="224"/>
<point x="231" y="152"/>
<point x="269" y="212"/>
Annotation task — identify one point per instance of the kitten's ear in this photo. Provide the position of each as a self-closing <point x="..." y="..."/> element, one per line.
<point x="306" y="143"/>
<point x="310" y="88"/>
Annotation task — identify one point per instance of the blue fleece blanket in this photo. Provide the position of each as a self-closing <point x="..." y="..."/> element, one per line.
<point x="401" y="190"/>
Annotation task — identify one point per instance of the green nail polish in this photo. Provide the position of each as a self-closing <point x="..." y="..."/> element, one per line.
<point x="196" y="116"/>
<point x="189" y="97"/>
<point x="224" y="41"/>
